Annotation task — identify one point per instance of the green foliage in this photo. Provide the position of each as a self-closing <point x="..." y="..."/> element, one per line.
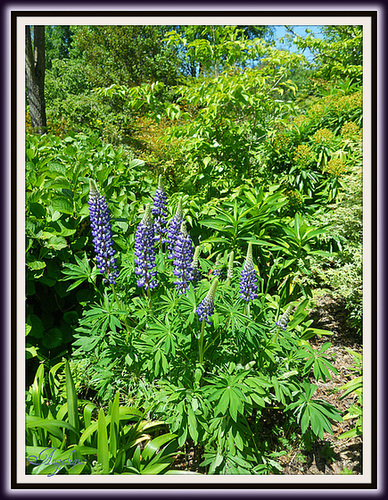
<point x="73" y="106"/>
<point x="338" y="54"/>
<point x="57" y="43"/>
<point x="127" y="55"/>
<point x="261" y="149"/>
<point x="57" y="236"/>
<point x="354" y="387"/>
<point x="221" y="121"/>
<point x="208" y="49"/>
<point x="343" y="274"/>
<point x="75" y="437"/>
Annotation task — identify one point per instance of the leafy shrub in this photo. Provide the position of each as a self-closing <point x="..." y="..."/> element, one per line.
<point x="57" y="218"/>
<point x="342" y="273"/>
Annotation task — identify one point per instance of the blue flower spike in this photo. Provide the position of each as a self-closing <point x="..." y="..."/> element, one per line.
<point x="145" y="252"/>
<point x="159" y="212"/>
<point x="284" y="318"/>
<point x="183" y="258"/>
<point x="174" y="229"/>
<point x="102" y="234"/>
<point x="248" y="280"/>
<point x="206" y="308"/>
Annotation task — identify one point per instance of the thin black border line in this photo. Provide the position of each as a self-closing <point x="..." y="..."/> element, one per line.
<point x="204" y="13"/>
<point x="13" y="353"/>
<point x="374" y="205"/>
<point x="374" y="216"/>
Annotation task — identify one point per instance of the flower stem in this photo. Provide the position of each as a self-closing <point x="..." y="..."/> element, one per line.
<point x="120" y="308"/>
<point x="217" y="336"/>
<point x="277" y="334"/>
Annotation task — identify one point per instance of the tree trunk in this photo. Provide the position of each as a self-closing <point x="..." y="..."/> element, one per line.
<point x="35" y="69"/>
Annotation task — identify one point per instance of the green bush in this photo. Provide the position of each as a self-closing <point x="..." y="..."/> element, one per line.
<point x="57" y="221"/>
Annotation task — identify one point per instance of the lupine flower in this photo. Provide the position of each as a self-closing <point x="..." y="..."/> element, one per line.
<point x="206" y="307"/>
<point x="284" y="318"/>
<point x="229" y="273"/>
<point x="196" y="273"/>
<point x="159" y="211"/>
<point x="183" y="258"/>
<point x="218" y="271"/>
<point x="174" y="229"/>
<point x="248" y="280"/>
<point x="102" y="233"/>
<point x="145" y="251"/>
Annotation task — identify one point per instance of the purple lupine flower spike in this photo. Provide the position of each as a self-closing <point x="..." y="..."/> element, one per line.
<point x="183" y="258"/>
<point x="196" y="273"/>
<point x="206" y="307"/>
<point x="102" y="233"/>
<point x="159" y="211"/>
<point x="145" y="252"/>
<point x="248" y="280"/>
<point x="174" y="229"/>
<point x="284" y="318"/>
<point x="219" y="271"/>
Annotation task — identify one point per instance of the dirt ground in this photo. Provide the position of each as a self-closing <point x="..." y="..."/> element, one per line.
<point x="332" y="455"/>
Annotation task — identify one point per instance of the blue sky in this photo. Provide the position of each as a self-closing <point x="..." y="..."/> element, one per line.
<point x="300" y="30"/>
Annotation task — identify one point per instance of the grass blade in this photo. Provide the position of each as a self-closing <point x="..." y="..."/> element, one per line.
<point x="102" y="443"/>
<point x="114" y="427"/>
<point x="72" y="404"/>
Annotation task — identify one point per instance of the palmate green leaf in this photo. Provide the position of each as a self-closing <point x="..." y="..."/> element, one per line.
<point x="319" y="422"/>
<point x="328" y="410"/>
<point x="79" y="272"/>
